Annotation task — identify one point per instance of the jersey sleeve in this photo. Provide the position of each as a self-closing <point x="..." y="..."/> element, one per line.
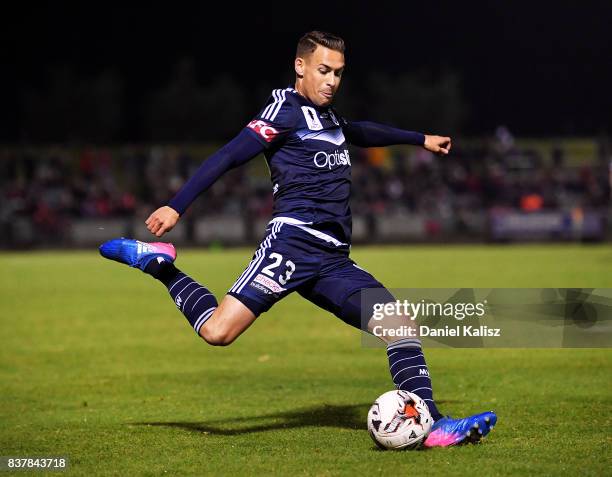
<point x="238" y="151"/>
<point x="275" y="121"/>
<point x="370" y="134"/>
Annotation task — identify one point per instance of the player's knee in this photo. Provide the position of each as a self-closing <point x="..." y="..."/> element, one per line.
<point x="358" y="309"/>
<point x="216" y="336"/>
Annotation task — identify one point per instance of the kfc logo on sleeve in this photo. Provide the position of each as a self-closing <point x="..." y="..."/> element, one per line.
<point x="267" y="132"/>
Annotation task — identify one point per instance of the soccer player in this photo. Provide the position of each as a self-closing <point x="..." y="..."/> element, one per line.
<point x="306" y="248"/>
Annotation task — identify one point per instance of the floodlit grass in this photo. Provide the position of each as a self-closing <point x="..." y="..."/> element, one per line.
<point x="96" y="364"/>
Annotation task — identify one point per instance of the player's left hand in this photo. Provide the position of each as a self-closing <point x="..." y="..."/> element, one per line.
<point x="440" y="145"/>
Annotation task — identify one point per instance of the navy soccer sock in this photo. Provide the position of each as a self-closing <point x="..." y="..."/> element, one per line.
<point x="195" y="301"/>
<point x="409" y="371"/>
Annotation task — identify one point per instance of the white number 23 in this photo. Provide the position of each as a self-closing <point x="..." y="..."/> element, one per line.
<point x="278" y="258"/>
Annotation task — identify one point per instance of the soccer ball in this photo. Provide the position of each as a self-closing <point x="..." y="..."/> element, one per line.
<point x="399" y="420"/>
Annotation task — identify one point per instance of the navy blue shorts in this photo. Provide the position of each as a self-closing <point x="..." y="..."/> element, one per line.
<point x="291" y="259"/>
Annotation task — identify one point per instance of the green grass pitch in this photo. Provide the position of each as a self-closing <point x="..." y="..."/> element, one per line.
<point x="97" y="364"/>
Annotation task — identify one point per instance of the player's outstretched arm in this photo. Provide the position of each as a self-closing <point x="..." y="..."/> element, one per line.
<point x="370" y="134"/>
<point x="238" y="151"/>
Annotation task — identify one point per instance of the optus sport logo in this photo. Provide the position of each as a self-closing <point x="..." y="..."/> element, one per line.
<point x="330" y="160"/>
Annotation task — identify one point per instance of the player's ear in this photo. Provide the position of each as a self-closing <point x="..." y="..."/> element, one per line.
<point x="299" y="67"/>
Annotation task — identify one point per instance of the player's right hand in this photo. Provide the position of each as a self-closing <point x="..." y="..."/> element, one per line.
<point x="162" y="220"/>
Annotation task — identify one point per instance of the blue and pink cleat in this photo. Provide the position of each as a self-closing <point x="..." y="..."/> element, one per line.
<point x="450" y="432"/>
<point x="135" y="253"/>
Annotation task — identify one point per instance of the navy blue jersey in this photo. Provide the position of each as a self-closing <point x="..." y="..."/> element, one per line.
<point x="309" y="163"/>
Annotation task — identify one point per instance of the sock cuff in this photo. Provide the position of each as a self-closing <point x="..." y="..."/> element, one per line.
<point x="407" y="343"/>
<point x="203" y="318"/>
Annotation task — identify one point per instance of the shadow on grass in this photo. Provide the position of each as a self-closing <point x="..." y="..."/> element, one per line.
<point x="325" y="415"/>
<point x="346" y="417"/>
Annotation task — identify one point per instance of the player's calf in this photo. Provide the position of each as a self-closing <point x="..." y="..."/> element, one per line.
<point x="192" y="299"/>
<point x="409" y="371"/>
<point x="407" y="365"/>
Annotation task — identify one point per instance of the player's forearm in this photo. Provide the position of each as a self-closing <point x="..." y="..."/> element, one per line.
<point x="369" y="134"/>
<point x="204" y="177"/>
<point x="238" y="151"/>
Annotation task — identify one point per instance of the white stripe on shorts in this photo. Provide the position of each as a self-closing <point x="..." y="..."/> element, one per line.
<point x="259" y="256"/>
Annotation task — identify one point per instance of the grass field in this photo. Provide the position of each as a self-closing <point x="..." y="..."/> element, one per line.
<point x="97" y="364"/>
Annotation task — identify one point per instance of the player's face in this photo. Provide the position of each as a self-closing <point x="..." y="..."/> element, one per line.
<point x="319" y="75"/>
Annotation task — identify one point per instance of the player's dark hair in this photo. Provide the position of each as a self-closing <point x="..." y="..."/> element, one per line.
<point x="309" y="42"/>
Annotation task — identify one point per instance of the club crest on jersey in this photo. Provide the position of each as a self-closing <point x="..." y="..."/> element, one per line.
<point x="313" y="121"/>
<point x="265" y="131"/>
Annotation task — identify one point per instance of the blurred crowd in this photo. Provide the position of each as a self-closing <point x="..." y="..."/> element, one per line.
<point x="484" y="176"/>
<point x="47" y="188"/>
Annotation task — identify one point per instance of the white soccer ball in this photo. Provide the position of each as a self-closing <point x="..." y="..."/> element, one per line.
<point x="399" y="420"/>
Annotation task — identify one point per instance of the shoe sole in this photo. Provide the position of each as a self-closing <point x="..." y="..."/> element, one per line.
<point x="478" y="431"/>
<point x="474" y="435"/>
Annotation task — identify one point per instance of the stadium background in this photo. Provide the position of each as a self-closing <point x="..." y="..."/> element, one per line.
<point x="107" y="109"/>
<point x="105" y="114"/>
